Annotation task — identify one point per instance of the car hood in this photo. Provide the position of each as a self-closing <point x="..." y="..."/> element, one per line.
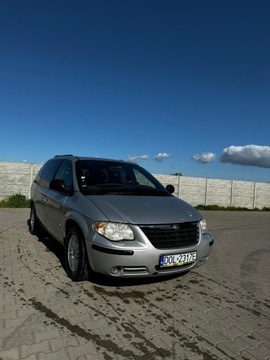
<point x="145" y="209"/>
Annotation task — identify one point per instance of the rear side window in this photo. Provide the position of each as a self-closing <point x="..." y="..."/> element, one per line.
<point x="47" y="172"/>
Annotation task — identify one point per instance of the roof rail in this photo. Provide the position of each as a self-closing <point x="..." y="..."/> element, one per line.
<point x="64" y="155"/>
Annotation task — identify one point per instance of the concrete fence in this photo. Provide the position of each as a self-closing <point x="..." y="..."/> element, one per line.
<point x="219" y="192"/>
<point x="16" y="178"/>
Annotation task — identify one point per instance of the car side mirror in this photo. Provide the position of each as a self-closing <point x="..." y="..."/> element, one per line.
<point x="170" y="189"/>
<point x="59" y="185"/>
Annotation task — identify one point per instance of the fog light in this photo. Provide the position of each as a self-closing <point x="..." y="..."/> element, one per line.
<point x="115" y="270"/>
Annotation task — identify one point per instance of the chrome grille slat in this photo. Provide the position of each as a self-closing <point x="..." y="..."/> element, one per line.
<point x="172" y="236"/>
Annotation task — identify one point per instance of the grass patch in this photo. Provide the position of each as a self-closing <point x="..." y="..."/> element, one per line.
<point x="15" y="201"/>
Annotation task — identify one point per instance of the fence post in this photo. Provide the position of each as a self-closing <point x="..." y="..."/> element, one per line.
<point x="231" y="199"/>
<point x="206" y="189"/>
<point x="179" y="185"/>
<point x="254" y="194"/>
<point x="31" y="180"/>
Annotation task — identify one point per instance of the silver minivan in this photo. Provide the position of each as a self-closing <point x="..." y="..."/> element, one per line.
<point x="113" y="217"/>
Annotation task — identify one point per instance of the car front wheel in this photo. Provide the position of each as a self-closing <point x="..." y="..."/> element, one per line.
<point x="77" y="266"/>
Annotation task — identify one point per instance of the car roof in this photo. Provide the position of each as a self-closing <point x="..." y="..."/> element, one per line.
<point x="70" y="156"/>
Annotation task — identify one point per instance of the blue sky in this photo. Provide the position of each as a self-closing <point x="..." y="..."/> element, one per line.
<point x="178" y="86"/>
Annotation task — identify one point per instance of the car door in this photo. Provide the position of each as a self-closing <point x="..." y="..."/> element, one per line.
<point x="55" y="209"/>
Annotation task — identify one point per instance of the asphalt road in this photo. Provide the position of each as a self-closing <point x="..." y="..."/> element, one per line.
<point x="218" y="311"/>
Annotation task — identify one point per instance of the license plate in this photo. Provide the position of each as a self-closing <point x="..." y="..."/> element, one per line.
<point x="177" y="259"/>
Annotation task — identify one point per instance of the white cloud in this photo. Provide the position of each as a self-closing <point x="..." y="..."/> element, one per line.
<point x="249" y="155"/>
<point x="138" y="157"/>
<point x="161" y="156"/>
<point x="204" y="158"/>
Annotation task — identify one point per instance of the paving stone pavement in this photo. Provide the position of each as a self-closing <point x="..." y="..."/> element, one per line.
<point x="218" y="311"/>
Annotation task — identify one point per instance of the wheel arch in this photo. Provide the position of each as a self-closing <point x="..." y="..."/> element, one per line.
<point x="76" y="220"/>
<point x="74" y="227"/>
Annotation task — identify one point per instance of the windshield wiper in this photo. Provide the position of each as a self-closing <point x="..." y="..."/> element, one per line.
<point x="122" y="189"/>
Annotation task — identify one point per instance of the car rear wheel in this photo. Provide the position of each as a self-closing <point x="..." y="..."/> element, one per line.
<point x="77" y="266"/>
<point x="34" y="225"/>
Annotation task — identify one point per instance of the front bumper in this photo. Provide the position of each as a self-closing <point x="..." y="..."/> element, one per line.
<point x="143" y="262"/>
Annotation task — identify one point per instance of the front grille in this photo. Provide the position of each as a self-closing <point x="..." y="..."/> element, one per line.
<point x="172" y="236"/>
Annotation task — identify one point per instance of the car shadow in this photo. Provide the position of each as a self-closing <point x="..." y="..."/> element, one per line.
<point x="53" y="246"/>
<point x="103" y="280"/>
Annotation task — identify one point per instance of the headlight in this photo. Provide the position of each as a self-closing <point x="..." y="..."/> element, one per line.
<point x="114" y="231"/>
<point x="203" y="226"/>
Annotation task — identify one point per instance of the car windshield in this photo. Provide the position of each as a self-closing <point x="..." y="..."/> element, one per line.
<point x="102" y="177"/>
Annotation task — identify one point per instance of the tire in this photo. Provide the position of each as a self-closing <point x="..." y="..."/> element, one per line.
<point x="34" y="225"/>
<point x="77" y="266"/>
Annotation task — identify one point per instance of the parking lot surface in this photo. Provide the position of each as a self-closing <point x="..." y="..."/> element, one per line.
<point x="218" y="311"/>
